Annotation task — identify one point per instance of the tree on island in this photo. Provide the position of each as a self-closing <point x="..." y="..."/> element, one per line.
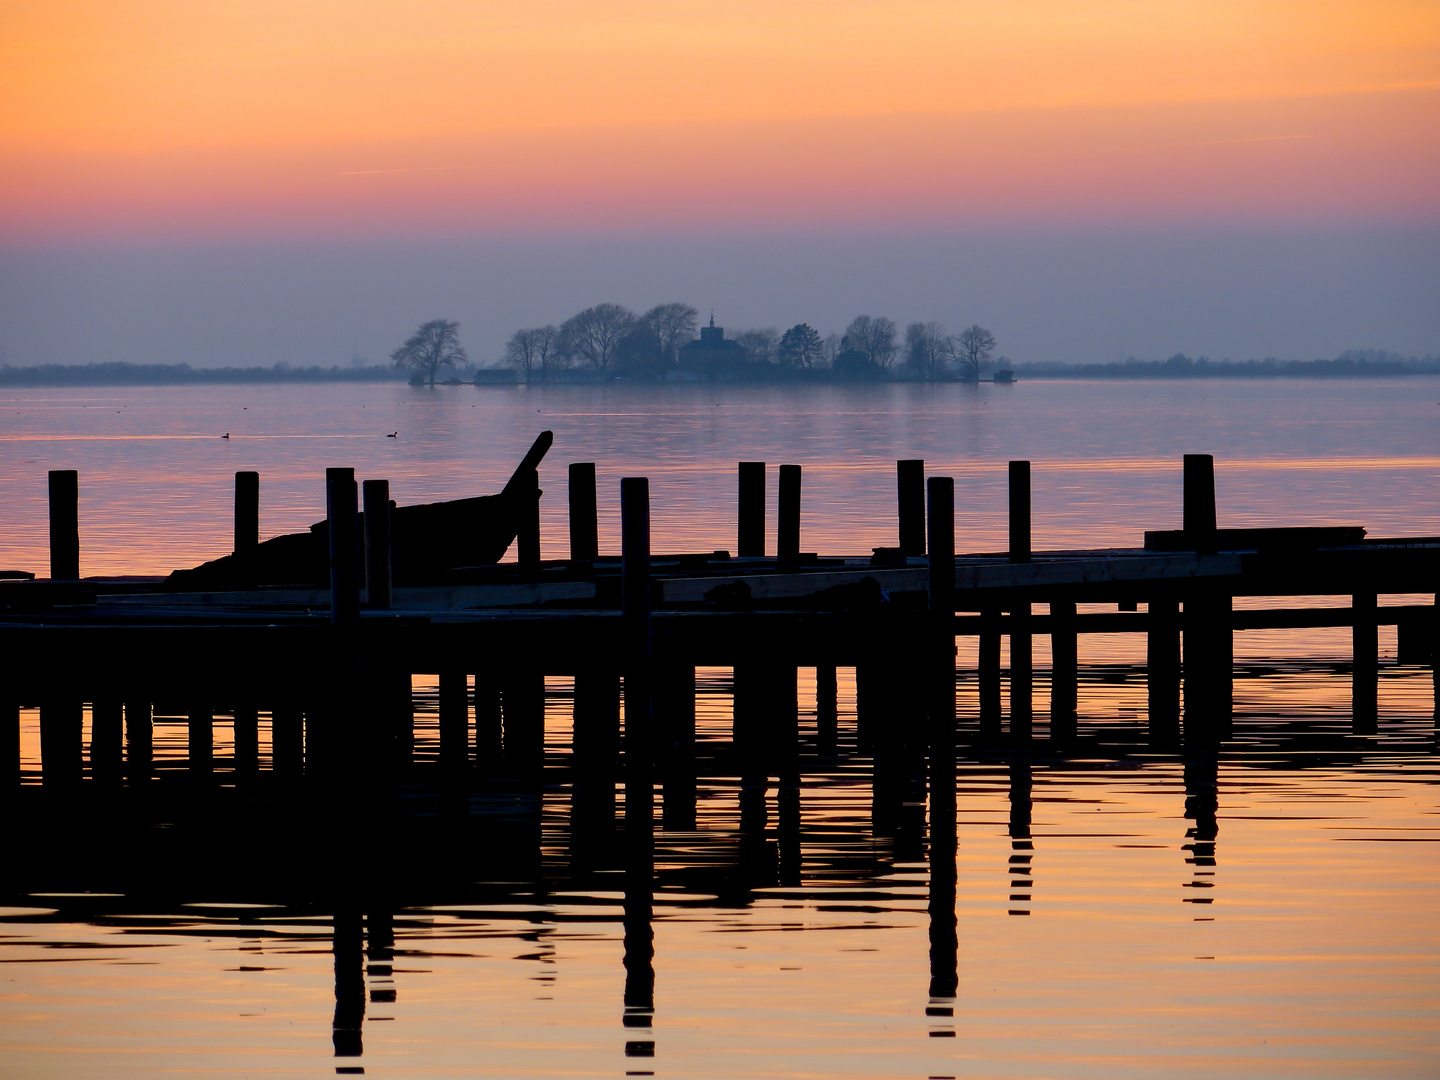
<point x="874" y="337"/>
<point x="594" y="335"/>
<point x="973" y="349"/>
<point x="801" y="347"/>
<point x="928" y="348"/>
<point x="534" y="350"/>
<point x="435" y="345"/>
<point x="673" y="326"/>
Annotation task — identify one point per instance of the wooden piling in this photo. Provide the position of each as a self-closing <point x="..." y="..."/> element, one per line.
<point x="139" y="741"/>
<point x="827" y="710"/>
<point x="639" y="705"/>
<point x="340" y="513"/>
<point x="247" y="512"/>
<point x="1019" y="511"/>
<point x="9" y="745"/>
<point x="201" y="728"/>
<point x="62" y="750"/>
<point x="378" y="580"/>
<point x="1064" y="671"/>
<point x="454" y="710"/>
<point x="752" y="510"/>
<point x="247" y="743"/>
<point x="523" y="699"/>
<point x="989" y="674"/>
<point x="1199" y="504"/>
<point x="1365" y="662"/>
<point x="64" y="525"/>
<point x="584" y="514"/>
<point x="675" y="721"/>
<point x="910" y="494"/>
<point x="489" y="724"/>
<point x="1022" y="672"/>
<point x="527" y="536"/>
<point x="107" y="735"/>
<point x="287" y="742"/>
<point x="1162" y="670"/>
<point x="787" y="540"/>
<point x="941" y="581"/>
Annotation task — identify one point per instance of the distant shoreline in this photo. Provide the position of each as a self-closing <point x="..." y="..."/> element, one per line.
<point x="1176" y="368"/>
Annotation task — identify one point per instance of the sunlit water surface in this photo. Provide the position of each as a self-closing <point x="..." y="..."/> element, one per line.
<point x="1295" y="934"/>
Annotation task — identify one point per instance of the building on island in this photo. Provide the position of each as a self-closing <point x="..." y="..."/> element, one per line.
<point x="711" y="356"/>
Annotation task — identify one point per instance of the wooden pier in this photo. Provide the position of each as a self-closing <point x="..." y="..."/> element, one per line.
<point x="331" y="668"/>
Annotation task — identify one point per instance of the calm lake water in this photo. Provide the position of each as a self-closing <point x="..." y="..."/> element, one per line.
<point x="1269" y="911"/>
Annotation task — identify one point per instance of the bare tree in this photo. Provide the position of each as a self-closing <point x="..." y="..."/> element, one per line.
<point x="533" y="351"/>
<point x="973" y="349"/>
<point x="673" y="325"/>
<point x="927" y="349"/>
<point x="875" y="337"/>
<point x="435" y="345"/>
<point x="594" y="334"/>
<point x="801" y="347"/>
<point x="760" y="345"/>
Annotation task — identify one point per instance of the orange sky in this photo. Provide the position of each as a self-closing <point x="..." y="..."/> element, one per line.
<point x="196" y="115"/>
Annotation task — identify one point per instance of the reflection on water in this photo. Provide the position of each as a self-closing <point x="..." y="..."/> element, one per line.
<point x="790" y="929"/>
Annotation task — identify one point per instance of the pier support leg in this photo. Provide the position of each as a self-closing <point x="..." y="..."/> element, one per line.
<point x="107" y="723"/>
<point x="675" y="719"/>
<point x="1365" y="663"/>
<point x="1064" y="672"/>
<point x="202" y="744"/>
<point x="247" y="743"/>
<point x="584" y="518"/>
<point x="1162" y="667"/>
<point x="454" y="732"/>
<point x="1208" y="670"/>
<point x="751" y="538"/>
<point x="139" y="741"/>
<point x="64" y="525"/>
<point x="524" y="724"/>
<point x="596" y="750"/>
<point x="287" y="743"/>
<point x="1022" y="674"/>
<point x="62" y="760"/>
<point x="489" y="725"/>
<point x="9" y="745"/>
<point x="990" y="675"/>
<point x="827" y="710"/>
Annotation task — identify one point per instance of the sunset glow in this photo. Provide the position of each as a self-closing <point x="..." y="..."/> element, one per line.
<point x="221" y="119"/>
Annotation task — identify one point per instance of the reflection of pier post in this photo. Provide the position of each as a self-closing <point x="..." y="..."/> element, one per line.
<point x="1064" y="672"/>
<point x="940" y="698"/>
<point x="349" y="984"/>
<point x="675" y="722"/>
<point x="1365" y="662"/>
<point x="1162" y="670"/>
<point x="1202" y="807"/>
<point x="1021" y="638"/>
<point x="1022" y="848"/>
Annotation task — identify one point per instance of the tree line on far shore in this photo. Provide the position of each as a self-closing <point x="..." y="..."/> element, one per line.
<point x="610" y="341"/>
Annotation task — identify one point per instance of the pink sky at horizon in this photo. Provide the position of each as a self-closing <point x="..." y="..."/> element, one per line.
<point x="208" y="119"/>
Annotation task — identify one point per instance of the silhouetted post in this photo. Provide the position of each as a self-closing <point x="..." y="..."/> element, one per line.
<point x="675" y="717"/>
<point x="1199" y="510"/>
<point x="596" y="750"/>
<point x="107" y="724"/>
<point x="1064" y="671"/>
<point x="827" y="710"/>
<point x="910" y="489"/>
<point x="247" y="512"/>
<point x="752" y="510"/>
<point x="201" y="743"/>
<point x="247" y="742"/>
<point x="64" y="525"/>
<point x="9" y="745"/>
<point x="523" y="696"/>
<point x="340" y="513"/>
<point x="62" y="750"/>
<point x="584" y="514"/>
<point x="1021" y="656"/>
<point x="139" y="741"/>
<point x="287" y="742"/>
<point x="489" y="725"/>
<point x="349" y="948"/>
<point x="1162" y="666"/>
<point x="989" y="660"/>
<point x="786" y="712"/>
<point x="378" y="581"/>
<point x="1365" y="662"/>
<point x="1208" y="668"/>
<point x="1022" y="846"/>
<point x="527" y="536"/>
<point x="941" y="528"/>
<point x="787" y="540"/>
<point x="454" y="730"/>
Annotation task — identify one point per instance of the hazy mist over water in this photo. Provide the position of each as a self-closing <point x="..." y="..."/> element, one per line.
<point x="1091" y="294"/>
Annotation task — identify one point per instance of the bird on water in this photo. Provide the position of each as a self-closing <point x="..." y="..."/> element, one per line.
<point x="393" y="435"/>
<point x="226" y="435"/>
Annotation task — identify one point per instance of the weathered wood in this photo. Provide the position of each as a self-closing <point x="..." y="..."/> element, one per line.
<point x="584" y="513"/>
<point x="247" y="742"/>
<point x="107" y="736"/>
<point x="64" y="525"/>
<point x="827" y="710"/>
<point x="201" y="742"/>
<point x="527" y="536"/>
<point x="61" y="743"/>
<point x="1019" y="511"/>
<point x="787" y="536"/>
<point x="910" y="494"/>
<point x="751" y="538"/>
<point x="247" y="512"/>
<point x="139" y="741"/>
<point x="1162" y="668"/>
<point x="1199" y="504"/>
<point x="454" y="719"/>
<point x="1064" y="672"/>
<point x="378" y="570"/>
<point x="1365" y="662"/>
<point x="287" y="742"/>
<point x="340" y="515"/>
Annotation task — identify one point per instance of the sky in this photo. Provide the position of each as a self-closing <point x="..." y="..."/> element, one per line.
<point x="1012" y="147"/>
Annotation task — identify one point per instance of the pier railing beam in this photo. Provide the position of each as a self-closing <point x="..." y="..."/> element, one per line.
<point x="910" y="493"/>
<point x="64" y="525"/>
<point x="787" y="541"/>
<point x="584" y="514"/>
<point x="751" y="539"/>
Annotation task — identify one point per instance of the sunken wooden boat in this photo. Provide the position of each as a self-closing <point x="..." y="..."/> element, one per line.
<point x="427" y="541"/>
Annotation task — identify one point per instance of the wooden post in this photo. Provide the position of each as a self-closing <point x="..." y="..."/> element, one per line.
<point x="1064" y="671"/>
<point x="1021" y="658"/>
<point x="64" y="525"/>
<point x="989" y="674"/>
<point x="139" y="741"/>
<point x="787" y="542"/>
<point x="489" y="725"/>
<point x="247" y="743"/>
<point x="1208" y="668"/>
<point x="62" y="760"/>
<point x="1019" y="511"/>
<point x="1365" y="662"/>
<point x="247" y="512"/>
<point x="201" y="743"/>
<point x="675" y="717"/>
<point x="827" y="710"/>
<point x="635" y="601"/>
<point x="378" y="581"/>
<point x="9" y="745"/>
<point x="340" y="513"/>
<point x="454" y="729"/>
<point x="1199" y="510"/>
<point x="752" y="510"/>
<point x="941" y="529"/>
<point x="523" y="697"/>
<point x="1162" y="667"/>
<point x="527" y="537"/>
<point x="584" y="515"/>
<point x="107" y="724"/>
<point x="287" y="740"/>
<point x="910" y="491"/>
